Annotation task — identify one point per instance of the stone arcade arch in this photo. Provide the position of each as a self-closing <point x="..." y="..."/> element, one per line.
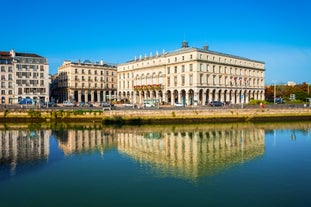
<point x="190" y="97"/>
<point x="225" y="97"/>
<point x="169" y="96"/>
<point x="76" y="95"/>
<point x="175" y="96"/>
<point x="201" y="95"/>
<point x="183" y="98"/>
<point x="219" y="95"/>
<point x="95" y="96"/>
<point x="213" y="95"/>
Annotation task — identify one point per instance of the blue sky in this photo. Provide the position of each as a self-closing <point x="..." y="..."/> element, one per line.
<point x="273" y="31"/>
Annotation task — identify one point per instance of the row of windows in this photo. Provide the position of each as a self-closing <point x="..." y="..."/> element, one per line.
<point x="3" y="69"/>
<point x="29" y="74"/>
<point x="23" y="83"/>
<point x="203" y="80"/>
<point x="22" y="91"/>
<point x="3" y="77"/>
<point x="102" y="72"/>
<point x="200" y="56"/>
<point x="30" y="82"/>
<point x="93" y="78"/>
<point x="90" y="85"/>
<point x="31" y="60"/>
<point x="214" y="69"/>
<point x="23" y="75"/>
<point x="30" y="67"/>
<point x="3" y="85"/>
<point x="3" y="92"/>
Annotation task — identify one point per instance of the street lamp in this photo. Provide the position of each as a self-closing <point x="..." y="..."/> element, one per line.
<point x="274" y="92"/>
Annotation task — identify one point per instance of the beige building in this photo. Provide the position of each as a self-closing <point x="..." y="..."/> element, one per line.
<point x="23" y="75"/>
<point x="191" y="76"/>
<point x="86" y="82"/>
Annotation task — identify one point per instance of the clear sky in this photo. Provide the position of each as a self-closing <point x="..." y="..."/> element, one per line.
<point x="276" y="32"/>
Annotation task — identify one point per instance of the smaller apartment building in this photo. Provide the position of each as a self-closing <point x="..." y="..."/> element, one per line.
<point x="23" y="75"/>
<point x="85" y="82"/>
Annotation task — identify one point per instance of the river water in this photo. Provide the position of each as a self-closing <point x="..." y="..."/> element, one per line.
<point x="173" y="165"/>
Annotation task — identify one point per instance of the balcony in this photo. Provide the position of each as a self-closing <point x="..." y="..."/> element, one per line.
<point x="152" y="87"/>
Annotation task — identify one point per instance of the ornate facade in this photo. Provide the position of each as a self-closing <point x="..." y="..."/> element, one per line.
<point x="191" y="76"/>
<point x="86" y="82"/>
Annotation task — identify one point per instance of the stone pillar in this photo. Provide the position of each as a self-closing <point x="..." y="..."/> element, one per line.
<point x="109" y="96"/>
<point x="79" y="96"/>
<point x="98" y="97"/>
<point x="196" y="97"/>
<point x="92" y="96"/>
<point x="172" y="98"/>
<point x="180" y="97"/>
<point x="164" y="98"/>
<point x="140" y="98"/>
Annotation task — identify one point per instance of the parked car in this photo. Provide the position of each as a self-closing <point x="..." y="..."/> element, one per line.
<point x="129" y="105"/>
<point x="216" y="103"/>
<point x="279" y="101"/>
<point x="26" y="101"/>
<point x="68" y="103"/>
<point x="51" y="104"/>
<point x="148" y="105"/>
<point x="106" y="106"/>
<point x="82" y="104"/>
<point x="179" y="104"/>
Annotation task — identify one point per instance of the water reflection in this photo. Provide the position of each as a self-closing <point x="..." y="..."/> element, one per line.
<point x="191" y="154"/>
<point x="81" y="141"/>
<point x="187" y="152"/>
<point x="23" y="146"/>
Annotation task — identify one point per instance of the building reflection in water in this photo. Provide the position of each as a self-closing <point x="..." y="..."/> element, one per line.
<point x="192" y="154"/>
<point x="23" y="146"/>
<point x="188" y="152"/>
<point x="81" y="141"/>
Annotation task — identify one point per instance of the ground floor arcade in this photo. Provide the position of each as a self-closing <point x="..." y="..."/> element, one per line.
<point x="194" y="97"/>
<point x="95" y="96"/>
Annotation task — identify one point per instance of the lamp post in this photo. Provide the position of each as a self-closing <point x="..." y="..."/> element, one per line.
<point x="274" y="92"/>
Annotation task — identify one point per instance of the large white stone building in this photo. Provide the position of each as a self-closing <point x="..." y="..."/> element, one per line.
<point x="23" y="75"/>
<point x="191" y="76"/>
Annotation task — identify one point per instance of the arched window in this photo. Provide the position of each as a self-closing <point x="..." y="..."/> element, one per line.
<point x="148" y="79"/>
<point x="160" y="78"/>
<point x="143" y="80"/>
<point x="154" y="78"/>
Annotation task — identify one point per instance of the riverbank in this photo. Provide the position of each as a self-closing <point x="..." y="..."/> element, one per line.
<point x="136" y="116"/>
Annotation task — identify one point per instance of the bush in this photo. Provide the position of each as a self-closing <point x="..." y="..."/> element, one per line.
<point x="256" y="102"/>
